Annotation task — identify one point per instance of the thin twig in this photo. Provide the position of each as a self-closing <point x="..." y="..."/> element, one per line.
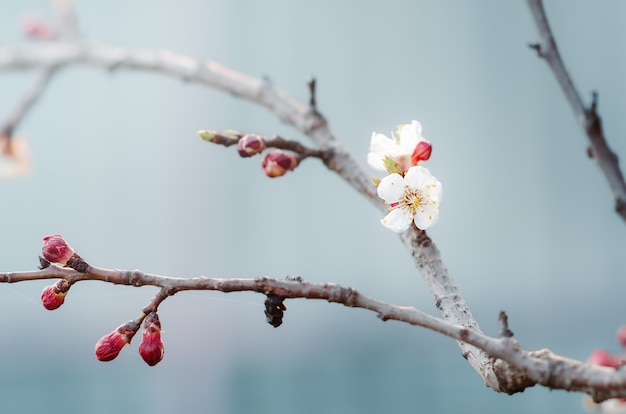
<point x="588" y="118"/>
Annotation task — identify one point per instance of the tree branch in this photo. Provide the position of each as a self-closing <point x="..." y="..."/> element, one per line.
<point x="517" y="368"/>
<point x="588" y="118"/>
<point x="302" y="117"/>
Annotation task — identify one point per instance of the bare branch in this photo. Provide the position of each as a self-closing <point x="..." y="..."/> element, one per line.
<point x="588" y="118"/>
<point x="517" y="369"/>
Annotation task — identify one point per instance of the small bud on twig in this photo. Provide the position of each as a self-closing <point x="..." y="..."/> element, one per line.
<point x="110" y="345"/>
<point x="56" y="250"/>
<point x="53" y="296"/>
<point x="250" y="145"/>
<point x="151" y="346"/>
<point x="278" y="163"/>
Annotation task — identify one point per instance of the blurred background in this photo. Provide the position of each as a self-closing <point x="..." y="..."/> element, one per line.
<point x="527" y="222"/>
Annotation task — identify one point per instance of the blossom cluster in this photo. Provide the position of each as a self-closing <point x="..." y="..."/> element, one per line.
<point x="412" y="193"/>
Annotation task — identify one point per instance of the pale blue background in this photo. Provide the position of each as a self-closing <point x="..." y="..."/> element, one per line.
<point x="527" y="222"/>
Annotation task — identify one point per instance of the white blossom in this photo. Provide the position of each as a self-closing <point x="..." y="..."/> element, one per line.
<point x="401" y="147"/>
<point x="412" y="198"/>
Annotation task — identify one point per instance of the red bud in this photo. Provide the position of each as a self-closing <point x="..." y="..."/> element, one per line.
<point x="421" y="152"/>
<point x="53" y="296"/>
<point x="278" y="162"/>
<point x="250" y="145"/>
<point x="110" y="345"/>
<point x="56" y="250"/>
<point x="151" y="346"/>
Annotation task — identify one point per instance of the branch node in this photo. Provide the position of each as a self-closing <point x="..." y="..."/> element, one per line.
<point x="311" y="85"/>
<point x="78" y="263"/>
<point x="295" y="279"/>
<point x="132" y="277"/>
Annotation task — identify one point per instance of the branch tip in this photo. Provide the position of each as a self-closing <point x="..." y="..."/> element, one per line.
<point x="537" y="48"/>
<point x="594" y="101"/>
<point x="43" y="263"/>
<point x="503" y="319"/>
<point x="311" y="85"/>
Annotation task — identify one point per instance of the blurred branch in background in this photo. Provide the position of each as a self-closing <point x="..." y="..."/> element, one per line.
<point x="14" y="154"/>
<point x="588" y="118"/>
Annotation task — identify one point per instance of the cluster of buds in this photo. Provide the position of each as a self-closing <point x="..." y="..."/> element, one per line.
<point x="56" y="250"/>
<point x="150" y="349"/>
<point x="275" y="164"/>
<point x="605" y="358"/>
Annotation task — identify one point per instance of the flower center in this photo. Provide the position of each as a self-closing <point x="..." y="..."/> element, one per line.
<point x="413" y="200"/>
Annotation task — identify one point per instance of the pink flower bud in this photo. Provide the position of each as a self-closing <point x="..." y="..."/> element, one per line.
<point x="56" y="250"/>
<point x="250" y="145"/>
<point x="605" y="359"/>
<point x="110" y="345"/>
<point x="151" y="346"/>
<point x="35" y="28"/>
<point x="421" y="152"/>
<point x="53" y="296"/>
<point x="278" y="162"/>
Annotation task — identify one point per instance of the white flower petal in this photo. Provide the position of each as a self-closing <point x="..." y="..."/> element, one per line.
<point x="426" y="216"/>
<point x="376" y="161"/>
<point x="391" y="188"/>
<point x="380" y="146"/>
<point x="398" y="220"/>
<point x="418" y="177"/>
<point x="410" y="136"/>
